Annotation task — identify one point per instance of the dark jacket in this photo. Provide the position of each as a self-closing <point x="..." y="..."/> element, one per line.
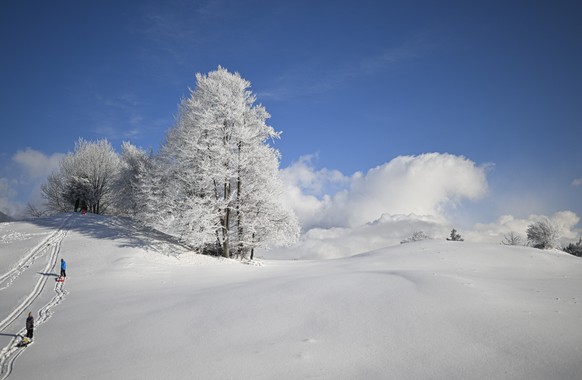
<point x="29" y="323"/>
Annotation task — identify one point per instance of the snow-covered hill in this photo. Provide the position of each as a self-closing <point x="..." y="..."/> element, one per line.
<point x="136" y="306"/>
<point x="4" y="217"/>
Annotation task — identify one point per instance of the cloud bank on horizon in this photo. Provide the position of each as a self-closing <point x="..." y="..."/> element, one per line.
<point x="345" y="215"/>
<point x="422" y="185"/>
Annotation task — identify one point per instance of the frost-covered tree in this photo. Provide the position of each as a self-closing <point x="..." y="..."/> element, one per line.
<point x="512" y="239"/>
<point x="455" y="236"/>
<point x="221" y="174"/>
<point x="35" y="211"/>
<point x="84" y="178"/>
<point x="416" y="236"/>
<point x="574" y="249"/>
<point x="171" y="202"/>
<point x="54" y="192"/>
<point x="134" y="168"/>
<point x="262" y="220"/>
<point x="543" y="234"/>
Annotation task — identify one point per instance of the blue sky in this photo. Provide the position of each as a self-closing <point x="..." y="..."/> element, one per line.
<point x="352" y="84"/>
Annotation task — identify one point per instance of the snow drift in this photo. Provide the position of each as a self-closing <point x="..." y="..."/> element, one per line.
<point x="139" y="306"/>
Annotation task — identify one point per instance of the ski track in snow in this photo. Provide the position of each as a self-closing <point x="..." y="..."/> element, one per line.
<point x="25" y="262"/>
<point x="52" y="244"/>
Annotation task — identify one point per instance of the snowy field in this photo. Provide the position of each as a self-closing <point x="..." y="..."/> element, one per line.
<point x="138" y="307"/>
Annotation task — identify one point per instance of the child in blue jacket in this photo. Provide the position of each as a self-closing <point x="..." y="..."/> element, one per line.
<point x="63" y="268"/>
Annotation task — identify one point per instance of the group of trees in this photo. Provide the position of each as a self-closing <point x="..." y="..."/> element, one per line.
<point x="214" y="183"/>
<point x="543" y="234"/>
<point x="416" y="236"/>
<point x="574" y="248"/>
<point x="421" y="235"/>
<point x="84" y="179"/>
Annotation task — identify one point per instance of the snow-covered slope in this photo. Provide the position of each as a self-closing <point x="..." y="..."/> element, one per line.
<point x="136" y="306"/>
<point x="4" y="217"/>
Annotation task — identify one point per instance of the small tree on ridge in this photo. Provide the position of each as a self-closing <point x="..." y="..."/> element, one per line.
<point x="512" y="239"/>
<point x="455" y="236"/>
<point x="543" y="234"/>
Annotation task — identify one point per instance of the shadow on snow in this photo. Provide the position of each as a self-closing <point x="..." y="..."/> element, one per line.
<point x="125" y="231"/>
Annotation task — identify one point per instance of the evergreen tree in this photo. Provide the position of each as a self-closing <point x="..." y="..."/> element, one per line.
<point x="574" y="249"/>
<point x="455" y="236"/>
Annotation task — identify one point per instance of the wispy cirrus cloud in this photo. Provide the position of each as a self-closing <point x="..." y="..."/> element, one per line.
<point x="297" y="81"/>
<point x="178" y="26"/>
<point x="119" y="116"/>
<point x="373" y="64"/>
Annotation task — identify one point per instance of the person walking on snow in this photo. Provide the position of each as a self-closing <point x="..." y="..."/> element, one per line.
<point x="29" y="326"/>
<point x="63" y="268"/>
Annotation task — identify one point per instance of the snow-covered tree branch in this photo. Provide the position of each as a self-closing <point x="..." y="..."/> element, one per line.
<point x="221" y="174"/>
<point x="84" y="178"/>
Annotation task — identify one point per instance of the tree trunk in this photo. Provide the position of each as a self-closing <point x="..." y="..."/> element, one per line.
<point x="225" y="239"/>
<point x="226" y="223"/>
<point x="238" y="206"/>
<point x="253" y="247"/>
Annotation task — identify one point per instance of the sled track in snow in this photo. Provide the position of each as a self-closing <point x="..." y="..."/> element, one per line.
<point x="25" y="262"/>
<point x="11" y="352"/>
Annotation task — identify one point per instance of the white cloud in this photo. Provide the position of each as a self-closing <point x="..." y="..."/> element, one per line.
<point x="6" y="189"/>
<point x="577" y="182"/>
<point x="494" y="232"/>
<point x="307" y="187"/>
<point x="345" y="215"/>
<point x="37" y="164"/>
<point x="335" y="242"/>
<point x="22" y="185"/>
<point x="302" y="174"/>
<point x="7" y="192"/>
<point x="422" y="185"/>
